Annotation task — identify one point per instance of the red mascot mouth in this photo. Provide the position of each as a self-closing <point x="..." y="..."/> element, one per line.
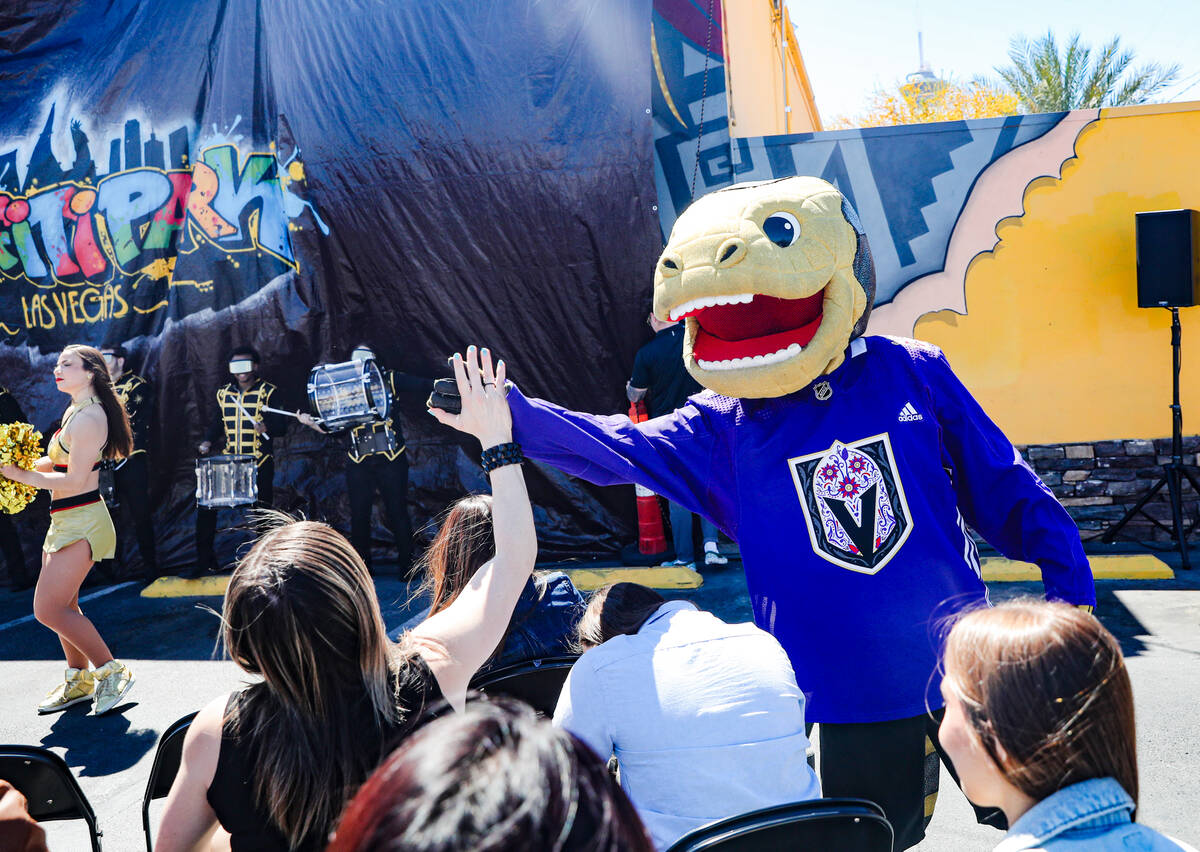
<point x="762" y="329"/>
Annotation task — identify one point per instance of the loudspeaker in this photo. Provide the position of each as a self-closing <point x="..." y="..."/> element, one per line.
<point x="1168" y="259"/>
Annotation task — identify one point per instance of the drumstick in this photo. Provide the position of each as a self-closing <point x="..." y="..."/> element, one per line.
<point x="271" y="410"/>
<point x="246" y="414"/>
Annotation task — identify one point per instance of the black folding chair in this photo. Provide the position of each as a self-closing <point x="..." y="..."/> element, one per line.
<point x="46" y="782"/>
<point x="816" y="825"/>
<point x="536" y="682"/>
<point x="164" y="769"/>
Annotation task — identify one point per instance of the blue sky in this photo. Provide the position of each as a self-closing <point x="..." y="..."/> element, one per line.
<point x="852" y="47"/>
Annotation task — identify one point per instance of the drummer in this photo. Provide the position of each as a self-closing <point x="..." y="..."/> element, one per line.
<point x="244" y="429"/>
<point x="376" y="462"/>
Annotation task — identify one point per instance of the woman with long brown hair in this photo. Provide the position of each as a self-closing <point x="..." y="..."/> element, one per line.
<point x="543" y="622"/>
<point x="1039" y="723"/>
<point x="94" y="427"/>
<point x="271" y="766"/>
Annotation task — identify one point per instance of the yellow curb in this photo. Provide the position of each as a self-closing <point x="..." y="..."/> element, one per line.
<point x="590" y="579"/>
<point x="1138" y="567"/>
<point x="178" y="587"/>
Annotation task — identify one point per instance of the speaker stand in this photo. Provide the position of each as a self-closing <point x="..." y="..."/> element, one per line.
<point x="1174" y="471"/>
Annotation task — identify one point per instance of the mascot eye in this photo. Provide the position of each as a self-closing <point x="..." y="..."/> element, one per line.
<point x="782" y="229"/>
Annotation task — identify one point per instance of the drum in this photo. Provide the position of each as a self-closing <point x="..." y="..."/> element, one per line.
<point x="348" y="394"/>
<point x="226" y="481"/>
<point x="378" y="438"/>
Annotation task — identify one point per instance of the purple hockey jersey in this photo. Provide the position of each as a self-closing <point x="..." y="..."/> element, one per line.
<point x="848" y="500"/>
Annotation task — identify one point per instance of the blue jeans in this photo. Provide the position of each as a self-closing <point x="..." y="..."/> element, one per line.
<point x="681" y="532"/>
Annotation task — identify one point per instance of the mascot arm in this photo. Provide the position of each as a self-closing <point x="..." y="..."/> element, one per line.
<point x="1000" y="495"/>
<point x="677" y="455"/>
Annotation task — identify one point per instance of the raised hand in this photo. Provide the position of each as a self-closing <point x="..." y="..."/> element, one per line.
<point x="485" y="411"/>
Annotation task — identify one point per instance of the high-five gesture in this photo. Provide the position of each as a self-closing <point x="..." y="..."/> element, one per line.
<point x="456" y="640"/>
<point x="485" y="411"/>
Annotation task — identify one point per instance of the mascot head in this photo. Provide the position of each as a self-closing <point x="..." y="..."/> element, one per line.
<point x="774" y="279"/>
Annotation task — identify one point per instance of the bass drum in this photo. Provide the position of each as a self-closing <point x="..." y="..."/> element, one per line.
<point x="348" y="394"/>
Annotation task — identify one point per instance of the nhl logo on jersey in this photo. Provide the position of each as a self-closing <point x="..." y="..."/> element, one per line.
<point x="853" y="503"/>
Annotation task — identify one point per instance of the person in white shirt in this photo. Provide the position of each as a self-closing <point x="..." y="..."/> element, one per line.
<point x="705" y="718"/>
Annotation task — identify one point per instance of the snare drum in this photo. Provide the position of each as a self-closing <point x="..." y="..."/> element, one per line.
<point x="226" y="481"/>
<point x="348" y="394"/>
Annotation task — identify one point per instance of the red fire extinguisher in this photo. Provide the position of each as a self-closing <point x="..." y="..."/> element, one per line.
<point x="650" y="523"/>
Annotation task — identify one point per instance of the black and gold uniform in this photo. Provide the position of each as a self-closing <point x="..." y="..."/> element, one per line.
<point x="132" y="475"/>
<point x="376" y="461"/>
<point x="10" y="543"/>
<point x="232" y="432"/>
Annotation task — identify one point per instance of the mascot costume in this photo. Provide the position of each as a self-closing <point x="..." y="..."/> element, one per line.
<point x="847" y="468"/>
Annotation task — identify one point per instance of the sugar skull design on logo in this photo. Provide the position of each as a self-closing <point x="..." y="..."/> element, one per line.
<point x="854" y="503"/>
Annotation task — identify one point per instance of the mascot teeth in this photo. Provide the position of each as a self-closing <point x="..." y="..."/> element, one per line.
<point x="711" y="302"/>
<point x="753" y="361"/>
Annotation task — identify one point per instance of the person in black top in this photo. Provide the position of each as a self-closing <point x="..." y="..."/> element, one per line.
<point x="275" y="762"/>
<point x="376" y="462"/>
<point x="131" y="476"/>
<point x="660" y="378"/>
<point x="246" y="430"/>
<point x="19" y="576"/>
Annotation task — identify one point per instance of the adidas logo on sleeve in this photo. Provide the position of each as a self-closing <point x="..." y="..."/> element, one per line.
<point x="908" y="414"/>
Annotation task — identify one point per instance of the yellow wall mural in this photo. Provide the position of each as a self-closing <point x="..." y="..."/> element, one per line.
<point x="1052" y="343"/>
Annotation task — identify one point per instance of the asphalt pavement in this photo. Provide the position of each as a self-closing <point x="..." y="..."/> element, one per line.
<point x="171" y="645"/>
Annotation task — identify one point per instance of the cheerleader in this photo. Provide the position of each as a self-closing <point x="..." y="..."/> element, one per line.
<point x="94" y="427"/>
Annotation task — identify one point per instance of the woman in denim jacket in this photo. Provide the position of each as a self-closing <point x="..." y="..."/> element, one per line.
<point x="1039" y="723"/>
<point x="543" y="623"/>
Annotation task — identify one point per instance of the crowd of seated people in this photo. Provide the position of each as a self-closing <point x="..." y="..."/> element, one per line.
<point x="272" y="765"/>
<point x="350" y="742"/>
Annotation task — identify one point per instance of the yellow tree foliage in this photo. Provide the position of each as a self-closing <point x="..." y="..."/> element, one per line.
<point x="936" y="100"/>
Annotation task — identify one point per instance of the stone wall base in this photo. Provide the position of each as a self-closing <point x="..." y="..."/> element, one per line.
<point x="1098" y="482"/>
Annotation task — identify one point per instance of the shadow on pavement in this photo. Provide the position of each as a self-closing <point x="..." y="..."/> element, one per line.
<point x="99" y="745"/>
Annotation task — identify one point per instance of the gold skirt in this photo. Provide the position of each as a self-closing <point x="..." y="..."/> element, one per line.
<point x="72" y="523"/>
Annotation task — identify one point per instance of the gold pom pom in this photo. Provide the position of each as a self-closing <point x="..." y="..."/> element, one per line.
<point x="20" y="445"/>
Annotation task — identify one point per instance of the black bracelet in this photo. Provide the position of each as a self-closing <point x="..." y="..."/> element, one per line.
<point x="501" y="455"/>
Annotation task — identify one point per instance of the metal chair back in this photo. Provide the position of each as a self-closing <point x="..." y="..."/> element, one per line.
<point x="536" y="682"/>
<point x="848" y="825"/>
<point x="46" y="782"/>
<point x="167" y="758"/>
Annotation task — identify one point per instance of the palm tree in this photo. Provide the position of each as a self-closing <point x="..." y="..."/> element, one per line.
<point x="1047" y="80"/>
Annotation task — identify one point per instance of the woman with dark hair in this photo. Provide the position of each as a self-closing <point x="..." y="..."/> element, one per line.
<point x="495" y="777"/>
<point x="1039" y="723"/>
<point x="271" y="766"/>
<point x="543" y="623"/>
<point x="81" y="533"/>
<point x="704" y="718"/>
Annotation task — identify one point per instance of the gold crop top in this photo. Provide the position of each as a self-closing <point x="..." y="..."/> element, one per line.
<point x="57" y="450"/>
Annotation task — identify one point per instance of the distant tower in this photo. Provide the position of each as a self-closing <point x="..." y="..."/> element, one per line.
<point x="923" y="78"/>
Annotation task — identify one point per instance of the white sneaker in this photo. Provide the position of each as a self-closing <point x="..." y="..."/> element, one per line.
<point x="711" y="557"/>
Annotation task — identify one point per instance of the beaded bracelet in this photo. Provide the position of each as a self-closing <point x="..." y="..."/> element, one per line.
<point x="500" y="455"/>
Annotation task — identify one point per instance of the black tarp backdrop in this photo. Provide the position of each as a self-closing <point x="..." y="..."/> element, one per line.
<point x="184" y="177"/>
